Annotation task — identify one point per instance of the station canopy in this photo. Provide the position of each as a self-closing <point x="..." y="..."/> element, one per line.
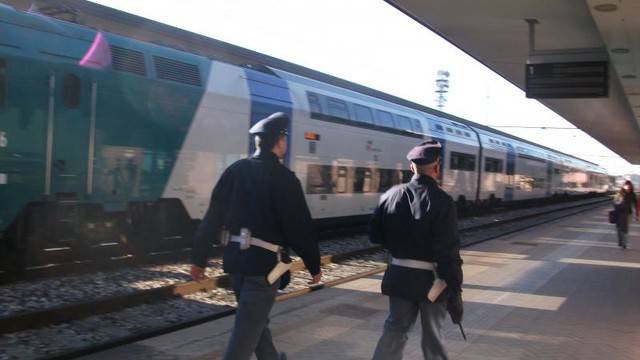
<point x="492" y="31"/>
<point x="496" y="33"/>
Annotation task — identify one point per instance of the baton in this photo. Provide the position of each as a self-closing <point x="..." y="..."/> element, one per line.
<point x="462" y="331"/>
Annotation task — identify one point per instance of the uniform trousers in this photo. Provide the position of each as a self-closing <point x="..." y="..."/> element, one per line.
<point x="251" y="332"/>
<point x="402" y="316"/>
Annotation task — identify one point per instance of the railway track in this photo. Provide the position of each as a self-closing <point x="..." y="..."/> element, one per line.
<point x="472" y="230"/>
<point x="54" y="268"/>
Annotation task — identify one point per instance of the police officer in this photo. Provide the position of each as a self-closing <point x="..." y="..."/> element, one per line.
<point x="416" y="222"/>
<point x="258" y="209"/>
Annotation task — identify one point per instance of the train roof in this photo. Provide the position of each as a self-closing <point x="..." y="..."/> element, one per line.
<point x="198" y="44"/>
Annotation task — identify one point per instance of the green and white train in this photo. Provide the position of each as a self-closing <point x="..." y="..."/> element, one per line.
<point x="105" y="138"/>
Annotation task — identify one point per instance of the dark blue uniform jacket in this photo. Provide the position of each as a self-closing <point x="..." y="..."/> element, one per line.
<point x="418" y="220"/>
<point x="264" y="196"/>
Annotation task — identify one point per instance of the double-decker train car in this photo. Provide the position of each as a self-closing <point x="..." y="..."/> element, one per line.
<point x="106" y="137"/>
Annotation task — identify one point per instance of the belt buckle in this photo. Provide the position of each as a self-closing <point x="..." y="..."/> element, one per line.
<point x="245" y="234"/>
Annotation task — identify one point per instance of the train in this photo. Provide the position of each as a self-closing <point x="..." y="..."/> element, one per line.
<point x="128" y="147"/>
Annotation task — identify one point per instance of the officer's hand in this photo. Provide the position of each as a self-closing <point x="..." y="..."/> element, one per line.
<point x="197" y="273"/>
<point x="316" y="278"/>
<point x="455" y="308"/>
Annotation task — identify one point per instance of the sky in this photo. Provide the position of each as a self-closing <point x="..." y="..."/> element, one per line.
<point x="371" y="43"/>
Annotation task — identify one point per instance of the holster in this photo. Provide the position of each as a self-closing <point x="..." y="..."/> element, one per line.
<point x="436" y="289"/>
<point x="281" y="271"/>
<point x="413" y="284"/>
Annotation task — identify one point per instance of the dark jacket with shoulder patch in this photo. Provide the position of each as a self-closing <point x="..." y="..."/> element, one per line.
<point x="262" y="195"/>
<point x="418" y="220"/>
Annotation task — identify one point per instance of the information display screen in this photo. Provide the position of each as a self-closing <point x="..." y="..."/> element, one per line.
<point x="567" y="80"/>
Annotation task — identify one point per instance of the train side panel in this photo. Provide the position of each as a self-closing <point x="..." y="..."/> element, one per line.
<point x="493" y="178"/>
<point x="24" y="109"/>
<point x="460" y="164"/>
<point x="344" y="167"/>
<point x="216" y="138"/>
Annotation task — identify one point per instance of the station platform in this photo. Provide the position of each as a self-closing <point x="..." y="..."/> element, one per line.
<point x="563" y="290"/>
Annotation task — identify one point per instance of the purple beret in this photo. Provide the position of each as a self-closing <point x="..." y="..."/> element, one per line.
<point x="425" y="153"/>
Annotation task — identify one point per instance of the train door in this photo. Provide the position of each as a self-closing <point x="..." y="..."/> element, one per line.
<point x="70" y="122"/>
<point x="511" y="171"/>
<point x="268" y="94"/>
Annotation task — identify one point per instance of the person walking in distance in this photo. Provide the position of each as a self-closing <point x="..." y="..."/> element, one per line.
<point x="258" y="211"/>
<point x="624" y="204"/>
<point x="417" y="223"/>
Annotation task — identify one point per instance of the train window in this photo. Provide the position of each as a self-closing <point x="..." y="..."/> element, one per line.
<point x="3" y="82"/>
<point x="439" y="127"/>
<point x="467" y="134"/>
<point x="363" y="114"/>
<point x="362" y="182"/>
<point x="341" y="180"/>
<point x="531" y="157"/>
<point x="417" y="126"/>
<point x="71" y="91"/>
<point x="386" y="179"/>
<point x="462" y="161"/>
<point x="492" y="165"/>
<point x="319" y="179"/>
<point x="458" y="132"/>
<point x="491" y="141"/>
<point x="314" y="103"/>
<point x="406" y="176"/>
<point x="450" y="130"/>
<point x="384" y="119"/>
<point x="403" y="122"/>
<point x="337" y="108"/>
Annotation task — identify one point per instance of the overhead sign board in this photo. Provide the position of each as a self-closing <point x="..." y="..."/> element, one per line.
<point x="563" y="80"/>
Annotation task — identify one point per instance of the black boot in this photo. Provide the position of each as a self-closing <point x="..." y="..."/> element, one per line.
<point x="283" y="356"/>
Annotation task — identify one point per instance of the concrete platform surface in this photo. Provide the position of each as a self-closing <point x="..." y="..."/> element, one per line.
<point x="563" y="290"/>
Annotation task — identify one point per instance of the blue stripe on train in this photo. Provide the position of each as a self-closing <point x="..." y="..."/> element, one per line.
<point x="268" y="94"/>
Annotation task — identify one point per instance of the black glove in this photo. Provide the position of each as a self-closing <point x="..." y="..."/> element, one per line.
<point x="454" y="307"/>
<point x="285" y="279"/>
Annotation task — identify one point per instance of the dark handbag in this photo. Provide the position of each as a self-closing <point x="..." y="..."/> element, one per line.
<point x="613" y="217"/>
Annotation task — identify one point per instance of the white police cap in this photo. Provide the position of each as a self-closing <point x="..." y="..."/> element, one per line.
<point x="273" y="125"/>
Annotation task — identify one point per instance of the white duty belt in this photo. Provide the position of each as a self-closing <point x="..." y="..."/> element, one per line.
<point x="255" y="242"/>
<point x="414" y="264"/>
<point x="438" y="284"/>
<point x="246" y="240"/>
